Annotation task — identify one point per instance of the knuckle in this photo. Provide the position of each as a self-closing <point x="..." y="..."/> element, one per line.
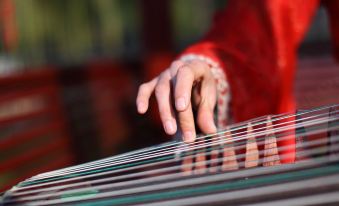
<point x="186" y="120"/>
<point x="200" y="65"/>
<point x="185" y="70"/>
<point x="206" y="108"/>
<point x="163" y="112"/>
<point x="187" y="124"/>
<point x="164" y="76"/>
<point x="177" y="63"/>
<point x="159" y="90"/>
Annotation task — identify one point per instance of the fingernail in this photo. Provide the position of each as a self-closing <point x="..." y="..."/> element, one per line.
<point x="188" y="136"/>
<point x="169" y="127"/>
<point x="180" y="103"/>
<point x="141" y="107"/>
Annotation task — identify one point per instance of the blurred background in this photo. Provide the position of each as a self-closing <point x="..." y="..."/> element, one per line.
<point x="70" y="69"/>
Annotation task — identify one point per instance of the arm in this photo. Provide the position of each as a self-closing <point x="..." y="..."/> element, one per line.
<point x="254" y="43"/>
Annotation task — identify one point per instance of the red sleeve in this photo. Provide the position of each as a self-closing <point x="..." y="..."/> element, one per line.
<point x="255" y="43"/>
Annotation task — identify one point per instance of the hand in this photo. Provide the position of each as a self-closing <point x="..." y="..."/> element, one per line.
<point x="180" y="83"/>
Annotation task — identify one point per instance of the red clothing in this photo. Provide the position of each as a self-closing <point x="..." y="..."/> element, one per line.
<point x="255" y="42"/>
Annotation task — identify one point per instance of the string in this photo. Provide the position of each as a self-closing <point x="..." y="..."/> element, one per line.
<point x="238" y="157"/>
<point x="159" y="170"/>
<point x="328" y="120"/>
<point x="75" y="191"/>
<point x="269" y="191"/>
<point x="66" y="180"/>
<point x="328" y="198"/>
<point x="189" y="147"/>
<point x="254" y="134"/>
<point x="165" y="185"/>
<point x="71" y="179"/>
<point x="132" y="175"/>
<point x="236" y="126"/>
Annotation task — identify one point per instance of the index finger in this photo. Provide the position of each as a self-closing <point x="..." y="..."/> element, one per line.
<point x="144" y="94"/>
<point x="186" y="75"/>
<point x="186" y="122"/>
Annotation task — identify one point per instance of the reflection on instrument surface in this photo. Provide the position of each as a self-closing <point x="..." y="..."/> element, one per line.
<point x="285" y="159"/>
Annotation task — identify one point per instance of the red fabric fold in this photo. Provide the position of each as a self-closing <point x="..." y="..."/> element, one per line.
<point x="255" y="42"/>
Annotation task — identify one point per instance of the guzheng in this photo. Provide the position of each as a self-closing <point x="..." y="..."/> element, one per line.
<point x="289" y="159"/>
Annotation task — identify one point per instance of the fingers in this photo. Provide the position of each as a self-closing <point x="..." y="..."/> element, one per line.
<point x="183" y="88"/>
<point x="186" y="75"/>
<point x="186" y="122"/>
<point x="144" y="94"/>
<point x="183" y="76"/>
<point x="206" y="107"/>
<point x="163" y="96"/>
